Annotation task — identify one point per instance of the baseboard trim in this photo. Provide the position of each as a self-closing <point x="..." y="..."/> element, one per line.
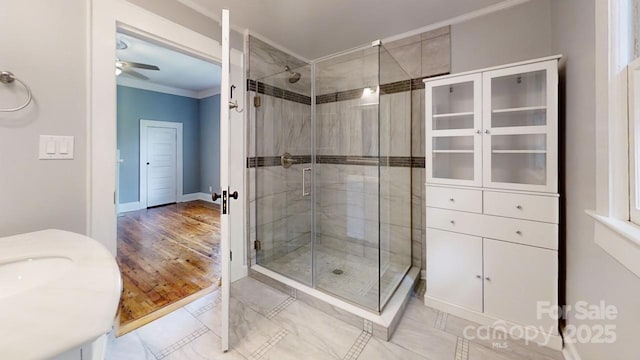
<point x="570" y="352"/>
<point x="190" y="197"/>
<point x="126" y="207"/>
<point x="199" y="196"/>
<point x="133" y="206"/>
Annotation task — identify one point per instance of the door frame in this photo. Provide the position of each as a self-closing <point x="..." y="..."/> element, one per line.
<point x="143" y="183"/>
<point x="105" y="18"/>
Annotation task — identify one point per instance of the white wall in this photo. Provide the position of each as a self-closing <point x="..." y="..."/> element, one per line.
<point x="44" y="44"/>
<point x="515" y="34"/>
<point x="591" y="274"/>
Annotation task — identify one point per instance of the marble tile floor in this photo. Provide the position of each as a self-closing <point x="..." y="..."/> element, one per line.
<point x="271" y="325"/>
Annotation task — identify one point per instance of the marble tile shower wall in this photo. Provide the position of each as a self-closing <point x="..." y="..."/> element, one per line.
<point x="349" y="200"/>
<point x="355" y="199"/>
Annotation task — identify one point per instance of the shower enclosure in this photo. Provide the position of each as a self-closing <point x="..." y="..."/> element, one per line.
<point x="333" y="175"/>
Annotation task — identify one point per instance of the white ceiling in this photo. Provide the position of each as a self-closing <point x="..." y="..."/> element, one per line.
<point x="177" y="70"/>
<point x="315" y="28"/>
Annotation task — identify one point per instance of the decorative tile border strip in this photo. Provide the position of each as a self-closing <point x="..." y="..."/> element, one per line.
<point x="395" y="87"/>
<point x="390" y="161"/>
<point x="278" y="309"/>
<point x="266" y="89"/>
<point x="385" y="89"/>
<point x="339" y="96"/>
<point x="418" y="83"/>
<point x="462" y="349"/>
<point x="207" y="307"/>
<point x="441" y="320"/>
<point x="181" y="343"/>
<point x="368" y="326"/>
<point x="357" y="347"/>
<point x="265" y="161"/>
<point x="259" y="353"/>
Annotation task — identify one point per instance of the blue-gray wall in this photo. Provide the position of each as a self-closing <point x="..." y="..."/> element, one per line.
<point x="210" y="144"/>
<point x="136" y="104"/>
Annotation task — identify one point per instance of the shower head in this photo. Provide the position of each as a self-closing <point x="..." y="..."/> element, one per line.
<point x="295" y="76"/>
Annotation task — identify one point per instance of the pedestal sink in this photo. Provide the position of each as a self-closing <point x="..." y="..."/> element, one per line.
<point x="22" y="275"/>
<point x="58" y="291"/>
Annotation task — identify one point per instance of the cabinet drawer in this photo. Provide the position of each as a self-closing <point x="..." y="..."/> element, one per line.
<point x="454" y="199"/>
<point x="457" y="221"/>
<point x="493" y="227"/>
<point x="521" y="231"/>
<point x="522" y="206"/>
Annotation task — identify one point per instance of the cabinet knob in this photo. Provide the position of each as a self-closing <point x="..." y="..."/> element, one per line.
<point x="519" y="232"/>
<point x="478" y="131"/>
<point x="487" y="278"/>
<point x="452" y="222"/>
<point x="486" y="131"/>
<point x="452" y="199"/>
<point x="519" y="207"/>
<point x="478" y="276"/>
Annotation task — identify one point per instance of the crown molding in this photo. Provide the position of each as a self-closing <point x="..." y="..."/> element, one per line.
<point x="150" y="86"/>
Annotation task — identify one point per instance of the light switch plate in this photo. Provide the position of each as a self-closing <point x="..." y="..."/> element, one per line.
<point x="53" y="147"/>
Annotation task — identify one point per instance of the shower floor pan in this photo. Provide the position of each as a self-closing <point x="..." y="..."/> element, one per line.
<point x="379" y="325"/>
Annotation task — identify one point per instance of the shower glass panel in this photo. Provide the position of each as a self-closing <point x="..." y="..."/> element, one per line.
<point x="347" y="177"/>
<point x="339" y="218"/>
<point x="394" y="174"/>
<point x="283" y="174"/>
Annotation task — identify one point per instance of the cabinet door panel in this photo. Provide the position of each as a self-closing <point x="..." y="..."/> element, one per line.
<point x="454" y="268"/>
<point x="520" y="117"/>
<point x="517" y="277"/>
<point x="453" y="114"/>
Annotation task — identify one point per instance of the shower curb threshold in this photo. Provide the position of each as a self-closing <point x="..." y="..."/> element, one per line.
<point x="383" y="324"/>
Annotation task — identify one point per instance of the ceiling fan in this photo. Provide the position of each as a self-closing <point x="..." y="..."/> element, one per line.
<point x="128" y="66"/>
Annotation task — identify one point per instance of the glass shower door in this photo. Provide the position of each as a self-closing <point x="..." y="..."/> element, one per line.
<point x="284" y="174"/>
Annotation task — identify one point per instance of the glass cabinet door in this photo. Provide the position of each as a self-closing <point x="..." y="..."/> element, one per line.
<point x="520" y="127"/>
<point x="453" y="122"/>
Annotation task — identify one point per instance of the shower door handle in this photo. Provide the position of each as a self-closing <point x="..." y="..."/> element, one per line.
<point x="304" y="183"/>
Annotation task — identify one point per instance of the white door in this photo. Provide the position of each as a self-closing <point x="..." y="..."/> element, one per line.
<point x="162" y="166"/>
<point x="454" y="268"/>
<point x="225" y="179"/>
<point x="517" y="277"/>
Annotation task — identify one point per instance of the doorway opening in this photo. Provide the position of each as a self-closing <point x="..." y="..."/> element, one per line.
<point x="168" y="125"/>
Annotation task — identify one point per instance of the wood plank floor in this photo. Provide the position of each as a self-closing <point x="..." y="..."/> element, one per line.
<point x="166" y="254"/>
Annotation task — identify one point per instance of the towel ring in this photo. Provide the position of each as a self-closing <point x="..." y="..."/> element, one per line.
<point x="6" y="77"/>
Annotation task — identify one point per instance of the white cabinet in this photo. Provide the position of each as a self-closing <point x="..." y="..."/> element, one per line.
<point x="492" y="211"/>
<point x="496" y="129"/>
<point x="454" y="268"/>
<point x="516" y="278"/>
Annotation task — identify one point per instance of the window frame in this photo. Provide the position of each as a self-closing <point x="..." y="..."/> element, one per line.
<point x="613" y="230"/>
<point x="633" y="108"/>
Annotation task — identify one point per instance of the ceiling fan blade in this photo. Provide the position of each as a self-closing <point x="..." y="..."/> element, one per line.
<point x="134" y="74"/>
<point x="139" y="65"/>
